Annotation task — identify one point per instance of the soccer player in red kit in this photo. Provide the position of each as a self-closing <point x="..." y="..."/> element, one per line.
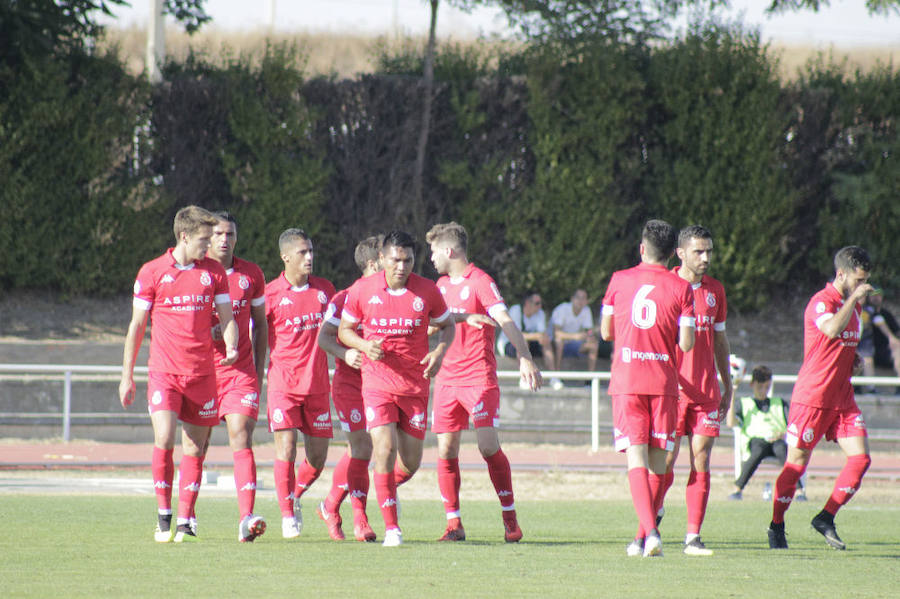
<point x="395" y="308"/>
<point x="179" y="292"/>
<point x="649" y="313"/>
<point x="351" y="474"/>
<point x="297" y="390"/>
<point x="467" y="383"/>
<point x="822" y="403"/>
<point x="238" y="384"/>
<point x="701" y="405"/>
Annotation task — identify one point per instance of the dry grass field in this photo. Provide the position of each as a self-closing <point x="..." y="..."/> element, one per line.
<point x="347" y="55"/>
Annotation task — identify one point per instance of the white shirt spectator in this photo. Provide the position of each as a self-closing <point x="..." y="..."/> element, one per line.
<point x="570" y="323"/>
<point x="536" y="323"/>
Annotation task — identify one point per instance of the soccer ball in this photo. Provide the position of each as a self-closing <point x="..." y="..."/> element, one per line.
<point x="738" y="367"/>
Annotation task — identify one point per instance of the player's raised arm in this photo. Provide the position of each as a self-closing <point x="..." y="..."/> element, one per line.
<point x="133" y="340"/>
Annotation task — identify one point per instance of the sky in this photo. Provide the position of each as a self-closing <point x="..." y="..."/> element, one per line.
<point x="846" y="23"/>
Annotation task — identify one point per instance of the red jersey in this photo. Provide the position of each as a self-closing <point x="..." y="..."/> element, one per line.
<point x="470" y="358"/>
<point x="294" y="314"/>
<point x="401" y="319"/>
<point x="343" y="374"/>
<point x="181" y="301"/>
<point x="648" y="305"/>
<point x="247" y="287"/>
<point x="697" y="375"/>
<point x="824" y="377"/>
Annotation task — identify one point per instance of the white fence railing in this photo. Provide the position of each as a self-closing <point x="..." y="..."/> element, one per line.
<point x="69" y="373"/>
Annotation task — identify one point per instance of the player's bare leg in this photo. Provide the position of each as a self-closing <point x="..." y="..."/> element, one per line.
<point x="240" y="439"/>
<point x="847" y="484"/>
<point x="501" y="477"/>
<point x="697" y="493"/>
<point x="785" y="487"/>
<point x="449" y="480"/>
<point x="194" y="442"/>
<point x="165" y="424"/>
<point x="285" y="456"/>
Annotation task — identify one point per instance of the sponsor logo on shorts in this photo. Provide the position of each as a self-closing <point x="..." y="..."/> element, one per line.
<point x="464" y="294"/>
<point x="478" y="410"/>
<point x="156" y="399"/>
<point x="370" y="414"/>
<point x="355" y="416"/>
<point x="417" y="421"/>
<point x="859" y="422"/>
<point x="323" y="421"/>
<point x="662" y="436"/>
<point x="209" y="409"/>
<point x="250" y="400"/>
<point x="712" y="419"/>
<point x="205" y="278"/>
<point x="277" y="415"/>
<point x="375" y="300"/>
<point x="244" y="283"/>
<point x="285" y="302"/>
<point x="808" y="435"/>
<point x="418" y="305"/>
<point x="629" y="354"/>
<point x="167" y="279"/>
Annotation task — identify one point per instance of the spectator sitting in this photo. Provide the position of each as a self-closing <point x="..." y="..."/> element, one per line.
<point x="763" y="424"/>
<point x="529" y="316"/>
<point x="574" y="333"/>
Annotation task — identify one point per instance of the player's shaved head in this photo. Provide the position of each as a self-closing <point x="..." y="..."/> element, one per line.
<point x="451" y="234"/>
<point x="851" y="258"/>
<point x="659" y="239"/>
<point x="289" y="237"/>
<point x="190" y="219"/>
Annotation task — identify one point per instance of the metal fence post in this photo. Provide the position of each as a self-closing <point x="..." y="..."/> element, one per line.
<point x="67" y="407"/>
<point x="595" y="414"/>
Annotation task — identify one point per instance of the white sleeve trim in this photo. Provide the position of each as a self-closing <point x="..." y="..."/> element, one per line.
<point x="440" y="318"/>
<point x="223" y="298"/>
<point x="719" y="327"/>
<point x="258" y="301"/>
<point x="142" y="304"/>
<point x="346" y="315"/>
<point x="607" y="310"/>
<point x="686" y="321"/>
<point x="823" y="318"/>
<point x="498" y="307"/>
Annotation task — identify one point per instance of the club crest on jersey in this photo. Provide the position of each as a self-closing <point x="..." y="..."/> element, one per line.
<point x="205" y="278"/>
<point x="167" y="279"/>
<point x="710" y="300"/>
<point x="323" y="299"/>
<point x="464" y="294"/>
<point x="820" y="308"/>
<point x="137" y="287"/>
<point x="244" y="283"/>
<point x="418" y="304"/>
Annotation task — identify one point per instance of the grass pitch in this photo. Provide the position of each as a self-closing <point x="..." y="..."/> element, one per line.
<point x="79" y="546"/>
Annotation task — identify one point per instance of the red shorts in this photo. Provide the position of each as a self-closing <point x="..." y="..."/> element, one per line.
<point x="644" y="420"/>
<point x="348" y="403"/>
<point x="310" y="414"/>
<point x="238" y="394"/>
<point x="453" y="405"/>
<point x="193" y="398"/>
<point x="808" y="424"/>
<point x="696" y="419"/>
<point x="408" y="411"/>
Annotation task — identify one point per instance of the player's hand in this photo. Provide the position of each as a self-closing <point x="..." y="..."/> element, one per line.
<point x="432" y="362"/>
<point x="861" y="292"/>
<point x="353" y="358"/>
<point x="231" y="356"/>
<point x="857" y="365"/>
<point x="126" y="391"/>
<point x="479" y="321"/>
<point x="373" y="349"/>
<point x="725" y="403"/>
<point x="530" y="374"/>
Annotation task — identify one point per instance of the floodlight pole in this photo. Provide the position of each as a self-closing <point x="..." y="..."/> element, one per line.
<point x="156" y="41"/>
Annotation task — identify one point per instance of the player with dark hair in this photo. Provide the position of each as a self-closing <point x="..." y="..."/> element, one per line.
<point x="238" y="385"/>
<point x="297" y="391"/>
<point x="467" y="383"/>
<point x="351" y="475"/>
<point x="649" y="313"/>
<point x="701" y="405"/>
<point x="822" y="403"/>
<point x="179" y="292"/>
<point x="395" y="308"/>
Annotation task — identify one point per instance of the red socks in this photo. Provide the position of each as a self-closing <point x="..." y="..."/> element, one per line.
<point x="501" y="476"/>
<point x="785" y="486"/>
<point x="448" y="482"/>
<point x="401" y="475"/>
<point x="358" y="483"/>
<point x="284" y="485"/>
<point x="641" y="497"/>
<point x="163" y="471"/>
<point x="245" y="480"/>
<point x="386" y="488"/>
<point x="847" y="483"/>
<point x="339" y="485"/>
<point x="658" y="494"/>
<point x="696" y="497"/>
<point x="190" y="473"/>
<point x="306" y="476"/>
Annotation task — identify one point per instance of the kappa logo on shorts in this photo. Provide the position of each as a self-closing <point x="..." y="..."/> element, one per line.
<point x="167" y="279"/>
<point x="323" y="299"/>
<point x="156" y="399"/>
<point x="793" y="428"/>
<point x="244" y="283"/>
<point x="370" y="414"/>
<point x="375" y="300"/>
<point x="418" y="304"/>
<point x="285" y="302"/>
<point x="464" y="294"/>
<point x="205" y="278"/>
<point x="859" y="422"/>
<point x="710" y="300"/>
<point x="277" y="416"/>
<point x="808" y="435"/>
<point x="355" y="416"/>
